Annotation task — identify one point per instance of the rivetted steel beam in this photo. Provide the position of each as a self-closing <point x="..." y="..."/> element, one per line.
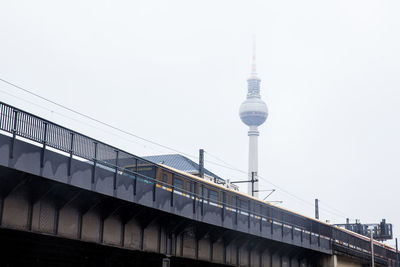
<point x="14" y="134"/>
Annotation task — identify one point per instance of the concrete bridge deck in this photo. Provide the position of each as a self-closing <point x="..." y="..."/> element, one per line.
<point x="46" y="190"/>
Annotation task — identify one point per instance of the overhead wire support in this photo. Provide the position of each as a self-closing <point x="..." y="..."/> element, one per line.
<point x="252" y="181"/>
<point x="272" y="191"/>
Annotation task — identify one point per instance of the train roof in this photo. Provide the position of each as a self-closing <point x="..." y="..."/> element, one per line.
<point x="180" y="162"/>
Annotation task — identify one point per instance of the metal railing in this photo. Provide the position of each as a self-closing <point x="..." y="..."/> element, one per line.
<point x="23" y="124"/>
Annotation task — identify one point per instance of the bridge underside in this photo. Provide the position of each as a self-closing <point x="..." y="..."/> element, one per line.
<point x="49" y="222"/>
<point x="20" y="248"/>
<point x="82" y="219"/>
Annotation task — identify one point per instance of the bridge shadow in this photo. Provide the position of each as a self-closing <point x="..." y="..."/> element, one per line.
<point x="20" y="248"/>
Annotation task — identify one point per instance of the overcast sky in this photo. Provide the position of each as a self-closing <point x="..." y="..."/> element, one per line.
<point x="175" y="72"/>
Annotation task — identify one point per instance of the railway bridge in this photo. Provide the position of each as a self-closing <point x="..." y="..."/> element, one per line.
<point x="65" y="199"/>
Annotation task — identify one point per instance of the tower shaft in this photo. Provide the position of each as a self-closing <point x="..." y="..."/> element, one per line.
<point x="253" y="134"/>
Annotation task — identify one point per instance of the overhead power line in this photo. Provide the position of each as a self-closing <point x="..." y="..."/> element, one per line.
<point x="334" y="209"/>
<point x="327" y="209"/>
<point x="75" y="120"/>
<point x="94" y="119"/>
<point x="224" y="165"/>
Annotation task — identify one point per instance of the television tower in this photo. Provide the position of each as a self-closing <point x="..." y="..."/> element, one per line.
<point x="253" y="112"/>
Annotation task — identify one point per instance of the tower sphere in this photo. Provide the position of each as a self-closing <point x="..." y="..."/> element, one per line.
<point x="253" y="111"/>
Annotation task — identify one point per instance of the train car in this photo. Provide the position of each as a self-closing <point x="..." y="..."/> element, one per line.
<point x="219" y="195"/>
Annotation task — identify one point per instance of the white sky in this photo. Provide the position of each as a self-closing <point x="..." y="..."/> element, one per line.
<point x="175" y="72"/>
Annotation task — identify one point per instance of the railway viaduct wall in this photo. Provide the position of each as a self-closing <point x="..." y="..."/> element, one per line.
<point x="103" y="222"/>
<point x="48" y="191"/>
<point x="34" y="204"/>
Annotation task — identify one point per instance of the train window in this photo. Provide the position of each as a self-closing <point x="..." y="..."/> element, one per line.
<point x="266" y="211"/>
<point x="205" y="192"/>
<point x="228" y="199"/>
<point x="233" y="201"/>
<point x="243" y="204"/>
<point x="164" y="177"/>
<point x="213" y="195"/>
<point x="189" y="186"/>
<point x="178" y="183"/>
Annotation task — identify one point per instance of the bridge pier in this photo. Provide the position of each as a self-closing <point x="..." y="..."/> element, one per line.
<point x="341" y="261"/>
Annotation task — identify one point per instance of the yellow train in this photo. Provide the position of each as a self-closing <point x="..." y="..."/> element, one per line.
<point x="221" y="195"/>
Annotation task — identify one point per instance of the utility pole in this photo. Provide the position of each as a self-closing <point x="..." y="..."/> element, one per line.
<point x="201" y="163"/>
<point x="397" y="255"/>
<point x="316" y="209"/>
<point x="252" y="184"/>
<point x="372" y="249"/>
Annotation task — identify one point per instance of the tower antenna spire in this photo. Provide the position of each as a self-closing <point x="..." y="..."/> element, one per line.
<point x="253" y="65"/>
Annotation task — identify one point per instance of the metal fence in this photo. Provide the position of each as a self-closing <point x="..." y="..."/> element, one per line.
<point x="20" y="123"/>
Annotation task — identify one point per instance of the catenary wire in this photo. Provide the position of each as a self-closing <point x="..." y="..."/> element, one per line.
<point x="93" y="119"/>
<point x="327" y="209"/>
<point x="228" y="166"/>
<point x="75" y="120"/>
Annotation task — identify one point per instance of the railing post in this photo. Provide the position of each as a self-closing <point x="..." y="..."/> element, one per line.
<point x="310" y="230"/>
<point x="202" y="201"/>
<point x="44" y="145"/>
<point x="236" y="209"/>
<point x="116" y="169"/>
<point x="172" y="190"/>
<point x="154" y="188"/>
<point x="1" y="115"/>
<point x="223" y="206"/>
<point x="71" y="152"/>
<point x="135" y="179"/>
<point x="348" y="241"/>
<point x="194" y="197"/>
<point x="292" y="232"/>
<point x="301" y="235"/>
<point x="94" y="162"/>
<point x="319" y="235"/>
<point x="272" y="227"/>
<point x="261" y="217"/>
<point x="260" y="212"/>
<point x="14" y="133"/>
<point x="249" y="212"/>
